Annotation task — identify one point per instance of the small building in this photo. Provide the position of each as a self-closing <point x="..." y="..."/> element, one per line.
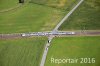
<point x="21" y="1"/>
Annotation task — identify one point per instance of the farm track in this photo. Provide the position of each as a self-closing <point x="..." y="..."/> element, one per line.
<point x="10" y="9"/>
<point x="14" y="8"/>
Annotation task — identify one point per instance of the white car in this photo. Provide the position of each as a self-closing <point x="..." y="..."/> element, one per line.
<point x="71" y="33"/>
<point x="23" y="34"/>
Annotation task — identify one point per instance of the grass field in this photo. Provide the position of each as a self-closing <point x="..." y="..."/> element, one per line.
<point x="86" y="17"/>
<point x="6" y="4"/>
<point x="29" y="18"/>
<point x="74" y="47"/>
<point x="21" y="52"/>
<point x="32" y="17"/>
<point x="62" y="4"/>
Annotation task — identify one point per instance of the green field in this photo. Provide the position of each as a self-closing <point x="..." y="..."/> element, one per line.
<point x="29" y="18"/>
<point x="86" y="17"/>
<point x="32" y="17"/>
<point x="6" y="4"/>
<point x="62" y="4"/>
<point x="74" y="47"/>
<point x="21" y="52"/>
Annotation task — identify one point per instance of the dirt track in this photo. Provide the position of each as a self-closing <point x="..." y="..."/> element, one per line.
<point x="14" y="8"/>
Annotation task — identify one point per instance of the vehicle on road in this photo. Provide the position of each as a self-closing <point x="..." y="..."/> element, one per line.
<point x="70" y="33"/>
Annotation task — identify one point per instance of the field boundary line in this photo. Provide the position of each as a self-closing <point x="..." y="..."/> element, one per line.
<point x="6" y="10"/>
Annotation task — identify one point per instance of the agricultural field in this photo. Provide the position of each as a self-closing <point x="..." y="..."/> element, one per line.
<point x="86" y="17"/>
<point x="44" y="15"/>
<point x="74" y="47"/>
<point x="5" y="4"/>
<point x="26" y="17"/>
<point x="29" y="18"/>
<point x="21" y="52"/>
<point x="62" y="4"/>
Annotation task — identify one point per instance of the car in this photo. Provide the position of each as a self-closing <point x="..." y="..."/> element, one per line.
<point x="71" y="33"/>
<point x="46" y="48"/>
<point x="23" y="34"/>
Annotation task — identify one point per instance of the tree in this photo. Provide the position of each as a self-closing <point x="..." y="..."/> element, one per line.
<point x="21" y="1"/>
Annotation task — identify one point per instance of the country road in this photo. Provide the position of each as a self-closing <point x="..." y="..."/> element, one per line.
<point x="53" y="33"/>
<point x="66" y="17"/>
<point x="46" y="51"/>
<point x="56" y="29"/>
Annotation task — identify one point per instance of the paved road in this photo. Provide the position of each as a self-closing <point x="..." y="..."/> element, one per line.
<point x="54" y="33"/>
<point x="46" y="51"/>
<point x="66" y="17"/>
<point x="56" y="29"/>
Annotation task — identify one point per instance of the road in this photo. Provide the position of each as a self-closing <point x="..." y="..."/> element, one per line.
<point x="66" y="17"/>
<point x="46" y="51"/>
<point x="56" y="29"/>
<point x="53" y="33"/>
